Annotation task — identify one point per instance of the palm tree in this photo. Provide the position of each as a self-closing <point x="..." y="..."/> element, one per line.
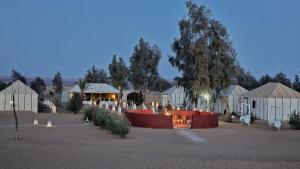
<point x="82" y="84"/>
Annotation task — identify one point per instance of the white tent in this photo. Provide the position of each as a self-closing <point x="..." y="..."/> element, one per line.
<point x="230" y="99"/>
<point x="173" y="96"/>
<point x="26" y="99"/>
<point x="272" y="101"/>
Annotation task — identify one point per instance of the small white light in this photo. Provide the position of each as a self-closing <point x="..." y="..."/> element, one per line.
<point x="11" y="102"/>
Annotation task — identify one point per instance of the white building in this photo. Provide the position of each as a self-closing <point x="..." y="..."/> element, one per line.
<point x="26" y="99"/>
<point x="272" y="101"/>
<point x="230" y="99"/>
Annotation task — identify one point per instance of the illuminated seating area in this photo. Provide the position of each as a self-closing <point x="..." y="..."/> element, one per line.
<point x="172" y="119"/>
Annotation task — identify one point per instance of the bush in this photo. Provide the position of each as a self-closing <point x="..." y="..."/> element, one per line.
<point x="89" y="113"/>
<point x="118" y="125"/>
<point x="294" y="120"/>
<point x="253" y="117"/>
<point x="75" y="103"/>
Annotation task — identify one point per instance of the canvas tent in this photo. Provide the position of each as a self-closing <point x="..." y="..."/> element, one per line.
<point x="230" y="99"/>
<point x="174" y="96"/>
<point x="272" y="101"/>
<point x="97" y="92"/>
<point x="26" y="99"/>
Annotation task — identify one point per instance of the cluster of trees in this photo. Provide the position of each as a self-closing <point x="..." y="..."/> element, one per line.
<point x="248" y="81"/>
<point x="38" y="84"/>
<point x="142" y="73"/>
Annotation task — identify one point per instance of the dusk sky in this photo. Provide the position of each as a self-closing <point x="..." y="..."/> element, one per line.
<point x="40" y="37"/>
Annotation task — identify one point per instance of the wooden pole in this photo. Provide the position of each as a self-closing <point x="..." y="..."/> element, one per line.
<point x="16" y="118"/>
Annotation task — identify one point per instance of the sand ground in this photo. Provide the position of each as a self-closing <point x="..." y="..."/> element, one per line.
<point x="71" y="144"/>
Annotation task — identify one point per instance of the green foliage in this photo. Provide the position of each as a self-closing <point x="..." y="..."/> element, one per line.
<point x="294" y="120"/>
<point x="282" y="78"/>
<point x="203" y="53"/>
<point x="57" y="83"/>
<point x="265" y="79"/>
<point x="95" y="75"/>
<point x="39" y="86"/>
<point x="161" y="84"/>
<point x="3" y="85"/>
<point x="118" y="125"/>
<point x="89" y="113"/>
<point x="143" y="65"/>
<point x="75" y="103"/>
<point x="296" y="83"/>
<point x="15" y="75"/>
<point x="118" y="73"/>
<point x="245" y="79"/>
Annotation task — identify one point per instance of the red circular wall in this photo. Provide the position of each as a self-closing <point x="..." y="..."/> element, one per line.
<point x="145" y="118"/>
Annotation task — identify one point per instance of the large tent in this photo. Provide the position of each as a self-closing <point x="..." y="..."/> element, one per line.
<point x="230" y="99"/>
<point x="174" y="96"/>
<point x="272" y="101"/>
<point x="97" y="92"/>
<point x="26" y="99"/>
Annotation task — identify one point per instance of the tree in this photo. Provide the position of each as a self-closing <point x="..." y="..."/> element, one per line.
<point x="57" y="83"/>
<point x="15" y="75"/>
<point x="118" y="73"/>
<point x="245" y="79"/>
<point x="75" y="103"/>
<point x="162" y="84"/>
<point x="282" y="78"/>
<point x="95" y="75"/>
<point x="3" y="85"/>
<point x="39" y="86"/>
<point x="296" y="84"/>
<point x="143" y="65"/>
<point x="265" y="79"/>
<point x="81" y="84"/>
<point x="203" y="54"/>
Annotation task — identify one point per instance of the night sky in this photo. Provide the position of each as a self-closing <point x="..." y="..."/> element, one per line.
<point x="40" y="37"/>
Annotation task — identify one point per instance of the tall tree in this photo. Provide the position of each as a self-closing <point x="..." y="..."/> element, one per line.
<point x="15" y="75"/>
<point x="118" y="72"/>
<point x="39" y="86"/>
<point x="57" y="83"/>
<point x="265" y="79"/>
<point x="282" y="78"/>
<point x="296" y="83"/>
<point x="203" y="53"/>
<point x="3" y="85"/>
<point x="162" y="84"/>
<point x="95" y="75"/>
<point x="245" y="79"/>
<point x="82" y="84"/>
<point x="143" y="65"/>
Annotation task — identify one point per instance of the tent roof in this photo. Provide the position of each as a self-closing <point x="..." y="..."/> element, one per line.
<point x="172" y="90"/>
<point x="233" y="90"/>
<point x="273" y="90"/>
<point x="18" y="87"/>
<point x="95" y="88"/>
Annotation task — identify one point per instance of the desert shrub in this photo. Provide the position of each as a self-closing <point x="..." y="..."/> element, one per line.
<point x="118" y="125"/>
<point x="294" y="120"/>
<point x="101" y="118"/>
<point x="253" y="117"/>
<point x="89" y="112"/>
<point x="75" y="103"/>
